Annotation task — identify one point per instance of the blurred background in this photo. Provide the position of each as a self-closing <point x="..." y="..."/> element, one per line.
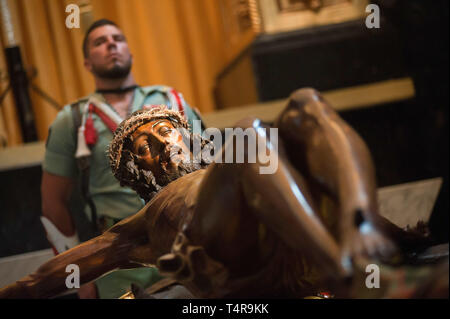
<point x="230" y="59"/>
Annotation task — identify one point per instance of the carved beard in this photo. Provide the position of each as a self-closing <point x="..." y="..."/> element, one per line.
<point x="184" y="164"/>
<point x="182" y="169"/>
<point x="147" y="185"/>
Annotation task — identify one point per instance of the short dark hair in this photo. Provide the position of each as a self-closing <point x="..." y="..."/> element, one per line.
<point x="94" y="26"/>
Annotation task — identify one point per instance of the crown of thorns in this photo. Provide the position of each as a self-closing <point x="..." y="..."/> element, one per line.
<point x="137" y="119"/>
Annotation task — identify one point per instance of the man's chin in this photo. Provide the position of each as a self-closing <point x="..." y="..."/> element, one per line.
<point x="116" y="72"/>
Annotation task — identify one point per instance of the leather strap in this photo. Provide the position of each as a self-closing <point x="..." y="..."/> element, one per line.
<point x="83" y="166"/>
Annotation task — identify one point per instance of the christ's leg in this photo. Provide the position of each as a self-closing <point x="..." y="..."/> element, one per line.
<point x="336" y="161"/>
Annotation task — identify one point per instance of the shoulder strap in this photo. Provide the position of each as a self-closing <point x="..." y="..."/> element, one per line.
<point x="177" y="102"/>
<point x="154" y="88"/>
<point x="83" y="166"/>
<point x="76" y="115"/>
<point x="174" y="97"/>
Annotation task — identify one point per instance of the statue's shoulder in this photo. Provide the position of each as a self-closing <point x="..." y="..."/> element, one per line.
<point x="179" y="194"/>
<point x="67" y="109"/>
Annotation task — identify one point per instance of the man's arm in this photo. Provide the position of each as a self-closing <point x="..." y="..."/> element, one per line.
<point x="59" y="172"/>
<point x="55" y="192"/>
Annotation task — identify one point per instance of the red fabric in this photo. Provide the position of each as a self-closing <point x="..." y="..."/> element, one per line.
<point x="54" y="250"/>
<point x="180" y="105"/>
<point x="90" y="134"/>
<point x="105" y="118"/>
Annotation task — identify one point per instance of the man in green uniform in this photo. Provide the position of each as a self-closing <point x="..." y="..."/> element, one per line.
<point x="117" y="95"/>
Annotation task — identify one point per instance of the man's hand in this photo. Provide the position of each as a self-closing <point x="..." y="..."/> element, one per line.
<point x="60" y="243"/>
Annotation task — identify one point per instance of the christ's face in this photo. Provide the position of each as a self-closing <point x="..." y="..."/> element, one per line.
<point x="159" y="147"/>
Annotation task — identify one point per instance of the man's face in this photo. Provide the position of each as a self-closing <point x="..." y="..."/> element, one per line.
<point x="108" y="53"/>
<point x="160" y="148"/>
